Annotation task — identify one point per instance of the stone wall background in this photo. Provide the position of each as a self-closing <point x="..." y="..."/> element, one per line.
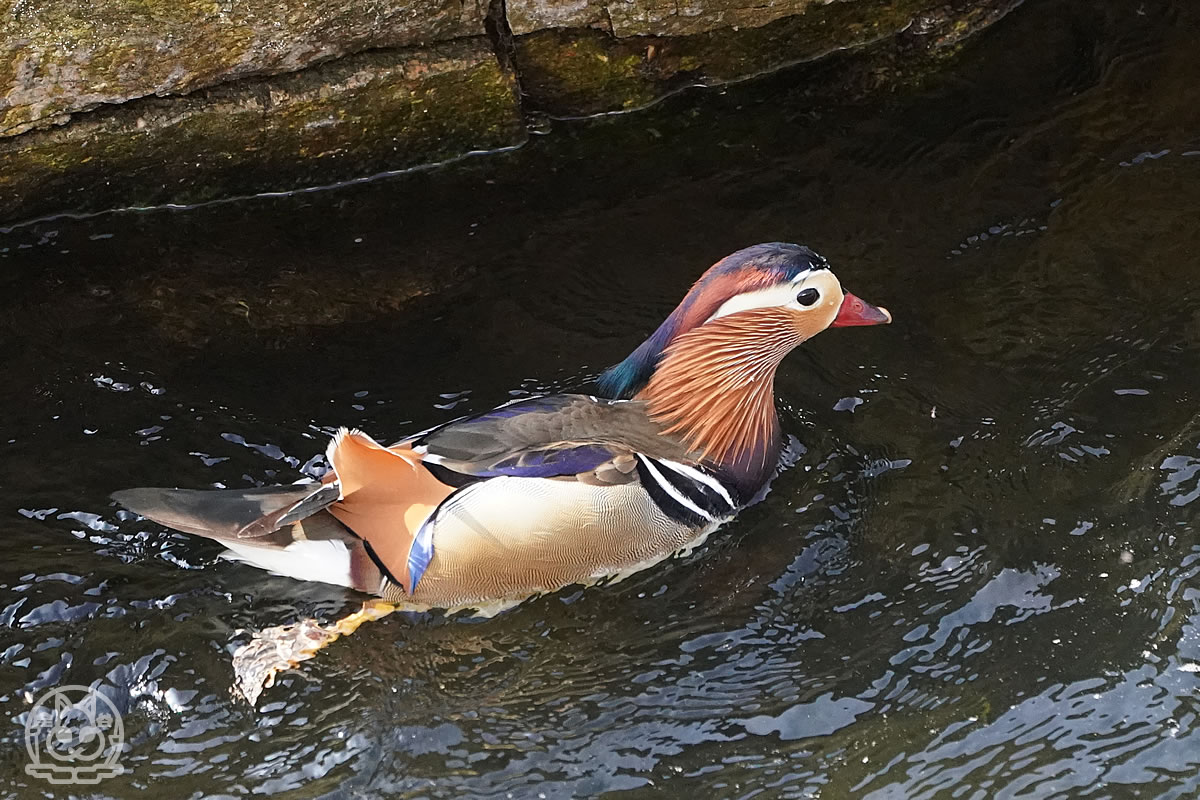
<point x="137" y="102"/>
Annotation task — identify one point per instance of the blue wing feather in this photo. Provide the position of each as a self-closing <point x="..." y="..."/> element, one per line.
<point x="552" y="463"/>
<point x="531" y="438"/>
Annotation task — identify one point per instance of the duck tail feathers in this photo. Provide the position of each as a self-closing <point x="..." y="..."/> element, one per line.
<point x="230" y="514"/>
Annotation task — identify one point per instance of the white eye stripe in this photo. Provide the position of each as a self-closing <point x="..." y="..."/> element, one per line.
<point x="763" y="298"/>
<point x="776" y="296"/>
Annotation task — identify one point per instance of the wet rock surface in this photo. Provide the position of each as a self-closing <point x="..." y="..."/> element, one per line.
<point x="63" y="56"/>
<point x="141" y="102"/>
<point x="649" y="17"/>
<point x="581" y="71"/>
<point x="357" y="116"/>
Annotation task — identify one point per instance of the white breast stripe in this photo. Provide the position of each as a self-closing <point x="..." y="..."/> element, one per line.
<point x="671" y="491"/>
<point x="700" y="477"/>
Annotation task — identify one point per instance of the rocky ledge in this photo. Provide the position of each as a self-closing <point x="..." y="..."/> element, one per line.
<point x="139" y="102"/>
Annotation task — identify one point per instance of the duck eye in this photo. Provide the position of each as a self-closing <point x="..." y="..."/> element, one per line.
<point x="808" y="296"/>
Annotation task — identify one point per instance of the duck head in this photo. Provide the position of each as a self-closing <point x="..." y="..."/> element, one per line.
<point x="762" y="280"/>
<point x="707" y="373"/>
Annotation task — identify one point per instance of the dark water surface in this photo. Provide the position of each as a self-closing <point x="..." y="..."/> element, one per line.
<point x="981" y="579"/>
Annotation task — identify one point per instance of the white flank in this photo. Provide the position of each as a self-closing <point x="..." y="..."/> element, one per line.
<point x="322" y="560"/>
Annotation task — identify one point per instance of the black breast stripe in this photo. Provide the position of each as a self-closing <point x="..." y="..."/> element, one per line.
<point x="700" y="492"/>
<point x="675" y="504"/>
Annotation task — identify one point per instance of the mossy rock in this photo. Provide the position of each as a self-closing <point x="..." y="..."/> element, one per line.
<point x="584" y="71"/>
<point x="371" y="113"/>
<point x="59" y="57"/>
<point x="331" y="117"/>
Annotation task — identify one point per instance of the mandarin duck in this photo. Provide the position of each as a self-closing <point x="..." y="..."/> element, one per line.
<point x="486" y="511"/>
